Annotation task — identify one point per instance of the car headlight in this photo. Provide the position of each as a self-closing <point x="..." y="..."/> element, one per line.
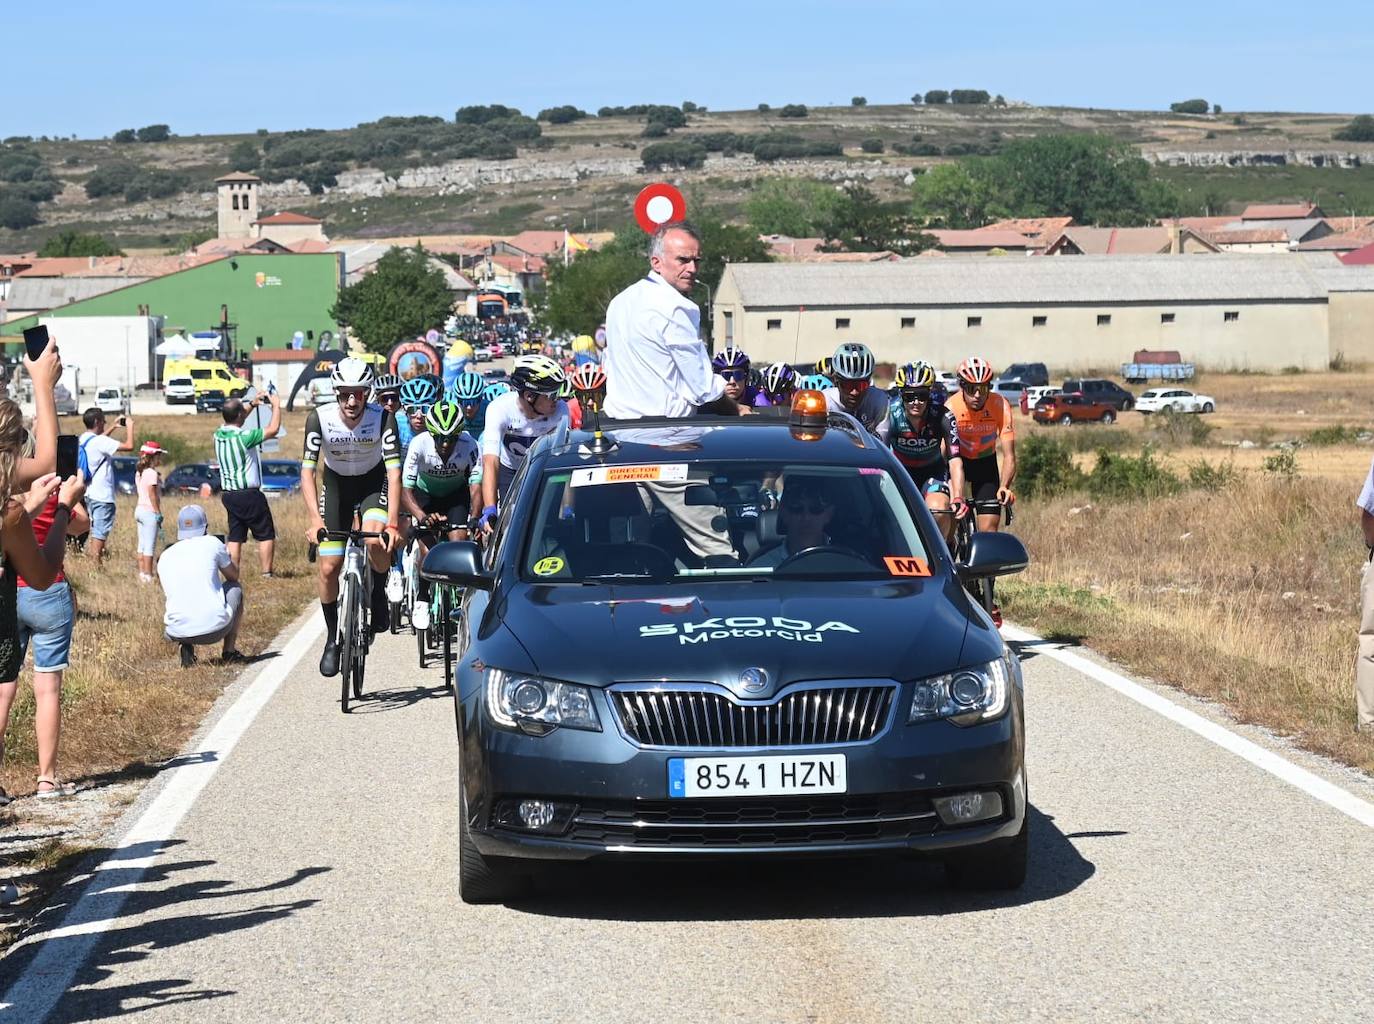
<point x="538" y="706"/>
<point x="966" y="697"/>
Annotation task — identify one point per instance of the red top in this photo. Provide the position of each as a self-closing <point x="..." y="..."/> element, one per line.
<point x="42" y="523"/>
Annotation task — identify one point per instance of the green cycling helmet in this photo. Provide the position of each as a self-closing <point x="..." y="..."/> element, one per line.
<point x="445" y="419"/>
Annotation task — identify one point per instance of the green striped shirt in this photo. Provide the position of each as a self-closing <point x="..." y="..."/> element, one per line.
<point x="240" y="464"/>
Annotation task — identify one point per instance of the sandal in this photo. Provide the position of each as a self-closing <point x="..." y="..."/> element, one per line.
<point x="56" y="788"/>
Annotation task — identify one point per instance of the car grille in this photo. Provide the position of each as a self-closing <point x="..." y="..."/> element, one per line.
<point x="779" y="822"/>
<point x="684" y="718"/>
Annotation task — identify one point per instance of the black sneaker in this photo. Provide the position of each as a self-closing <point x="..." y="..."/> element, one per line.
<point x="329" y="660"/>
<point x="188" y="655"/>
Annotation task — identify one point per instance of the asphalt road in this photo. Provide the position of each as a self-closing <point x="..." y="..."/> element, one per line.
<point x="314" y="880"/>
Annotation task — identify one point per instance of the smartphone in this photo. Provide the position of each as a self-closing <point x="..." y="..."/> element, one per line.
<point x="66" y="456"/>
<point x="36" y="340"/>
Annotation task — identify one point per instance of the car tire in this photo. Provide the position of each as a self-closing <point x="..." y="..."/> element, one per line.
<point x="1208" y="407"/>
<point x="483" y="879"/>
<point x="1000" y="866"/>
<point x="1109" y="417"/>
<point x="1066" y="420"/>
<point x="1127" y="405"/>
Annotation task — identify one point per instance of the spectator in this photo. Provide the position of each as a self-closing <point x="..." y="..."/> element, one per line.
<point x="240" y="465"/>
<point x="44" y="373"/>
<point x="99" y="450"/>
<point x="200" y="608"/>
<point x="148" y="514"/>
<point x="1364" y="662"/>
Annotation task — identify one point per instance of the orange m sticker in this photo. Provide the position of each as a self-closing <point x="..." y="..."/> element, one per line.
<point x="900" y="565"/>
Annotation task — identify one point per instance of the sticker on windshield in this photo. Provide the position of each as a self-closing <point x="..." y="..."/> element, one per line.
<point x="903" y="565"/>
<point x="675" y="472"/>
<point x="548" y="566"/>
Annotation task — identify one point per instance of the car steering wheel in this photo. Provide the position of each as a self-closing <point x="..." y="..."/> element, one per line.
<point x="818" y="549"/>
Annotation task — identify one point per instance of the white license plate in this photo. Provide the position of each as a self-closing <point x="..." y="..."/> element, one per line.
<point x="690" y="777"/>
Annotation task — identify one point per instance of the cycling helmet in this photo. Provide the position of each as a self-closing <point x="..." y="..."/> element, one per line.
<point x="916" y="375"/>
<point x="730" y="358"/>
<point x="566" y="391"/>
<point x="468" y="387"/>
<point x="938" y="394"/>
<point x="351" y="373"/>
<point x="418" y="391"/>
<point x="815" y="382"/>
<point x="852" y="361"/>
<point x="539" y="374"/>
<point x="445" y="420"/>
<point x="824" y="367"/>
<point x="975" y="370"/>
<point x="386" y="382"/>
<point x="779" y="379"/>
<point x="588" y="377"/>
<point x="495" y="390"/>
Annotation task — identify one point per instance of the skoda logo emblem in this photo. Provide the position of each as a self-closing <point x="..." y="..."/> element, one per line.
<point x="753" y="679"/>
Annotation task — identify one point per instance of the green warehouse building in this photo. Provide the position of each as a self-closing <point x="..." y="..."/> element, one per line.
<point x="269" y="297"/>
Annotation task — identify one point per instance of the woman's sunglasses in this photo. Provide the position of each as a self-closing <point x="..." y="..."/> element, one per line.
<point x="916" y="395"/>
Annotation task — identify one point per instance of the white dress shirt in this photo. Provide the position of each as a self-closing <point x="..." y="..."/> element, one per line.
<point x="656" y="363"/>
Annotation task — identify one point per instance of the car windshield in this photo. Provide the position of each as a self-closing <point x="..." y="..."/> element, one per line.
<point x="280" y="469"/>
<point x="676" y="520"/>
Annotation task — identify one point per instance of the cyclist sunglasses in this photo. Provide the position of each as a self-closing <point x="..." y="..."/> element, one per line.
<point x="814" y="507"/>
<point x="344" y="394"/>
<point x="916" y="395"/>
<point x="976" y="389"/>
<point x="733" y="375"/>
<point x="422" y="410"/>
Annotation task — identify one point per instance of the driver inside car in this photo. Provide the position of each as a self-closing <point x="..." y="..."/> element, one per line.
<point x="804" y="518"/>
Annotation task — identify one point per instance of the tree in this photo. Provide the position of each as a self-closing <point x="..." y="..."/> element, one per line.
<point x="658" y="155"/>
<point x="654" y="130"/>
<point x="937" y="96"/>
<point x="1091" y="178"/>
<point x="73" y="243"/>
<point x="793" y="110"/>
<point x="688" y="107"/>
<point x="126" y="135"/>
<point x="154" y="133"/>
<point x="764" y="108"/>
<point x="669" y="117"/>
<point x="797" y="207"/>
<point x="917" y="99"/>
<point x="1360" y="129"/>
<point x="16" y="212"/>
<point x="954" y="196"/>
<point x="1190" y="107"/>
<point x="872" y="145"/>
<point x="244" y="156"/>
<point x="863" y="223"/>
<point x="971" y="97"/>
<point x="1216" y="108"/>
<point x="402" y="297"/>
<point x="576" y="297"/>
<point x="562" y="115"/>
<point x="858" y="101"/>
<point x="484" y="114"/>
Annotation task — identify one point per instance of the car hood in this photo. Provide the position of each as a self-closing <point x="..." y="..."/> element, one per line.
<point x="800" y="630"/>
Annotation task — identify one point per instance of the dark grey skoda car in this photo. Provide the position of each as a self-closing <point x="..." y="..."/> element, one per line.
<point x="715" y="638"/>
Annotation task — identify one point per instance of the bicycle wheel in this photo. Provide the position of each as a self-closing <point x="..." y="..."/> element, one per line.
<point x="362" y="632"/>
<point x="448" y="642"/>
<point x="346" y="642"/>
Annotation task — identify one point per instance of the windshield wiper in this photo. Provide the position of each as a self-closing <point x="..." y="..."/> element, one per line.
<point x="620" y="576"/>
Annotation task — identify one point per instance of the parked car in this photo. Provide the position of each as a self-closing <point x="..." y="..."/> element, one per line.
<point x="949" y="379"/>
<point x="1034" y="394"/>
<point x="210" y="401"/>
<point x="111" y="401"/>
<point x="66" y="402"/>
<point x="1175" y="399"/>
<point x="281" y="476"/>
<point x="495" y="375"/>
<point x="481" y="354"/>
<point x="1009" y="389"/>
<point x="179" y="391"/>
<point x="321" y="391"/>
<point x="1027" y="373"/>
<point x="1100" y="390"/>
<point x="124" y="468"/>
<point x="1067" y="409"/>
<point x="189" y="477"/>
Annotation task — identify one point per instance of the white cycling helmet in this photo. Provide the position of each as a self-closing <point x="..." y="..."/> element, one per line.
<point x="852" y="361"/>
<point x="351" y="373"/>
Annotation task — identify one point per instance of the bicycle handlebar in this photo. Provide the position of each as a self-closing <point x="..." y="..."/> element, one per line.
<point x="345" y="535"/>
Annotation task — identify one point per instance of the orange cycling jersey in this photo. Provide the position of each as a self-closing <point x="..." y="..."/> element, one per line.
<point x="979" y="429"/>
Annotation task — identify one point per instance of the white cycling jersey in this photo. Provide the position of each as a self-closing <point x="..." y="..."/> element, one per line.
<point x="872" y="409"/>
<point x="351" y="451"/>
<point x="509" y="432"/>
<point x="426" y="471"/>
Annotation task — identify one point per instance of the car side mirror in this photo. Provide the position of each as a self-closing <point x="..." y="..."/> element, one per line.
<point x="457" y="563"/>
<point x="993" y="554"/>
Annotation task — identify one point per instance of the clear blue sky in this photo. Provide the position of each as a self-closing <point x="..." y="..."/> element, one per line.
<point x="234" y="67"/>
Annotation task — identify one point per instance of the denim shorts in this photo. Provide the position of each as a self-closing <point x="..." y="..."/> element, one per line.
<point x="102" y="517"/>
<point x="149" y="526"/>
<point x="45" y="616"/>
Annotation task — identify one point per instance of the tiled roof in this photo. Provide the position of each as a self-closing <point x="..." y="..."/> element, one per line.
<point x="1361" y="257"/>
<point x="309" y="245"/>
<point x="849" y="257"/>
<point x="1041" y="229"/>
<point x="116" y="266"/>
<point x="1248" y="236"/>
<point x="288" y="217"/>
<point x="519" y="264"/>
<point x="982" y="238"/>
<point x="238" y="176"/>
<point x="1297" y="230"/>
<point x="1280" y="211"/>
<point x="787" y="247"/>
<point x="1082" y="280"/>
<point x="538" y="243"/>
<point x="1115" y="241"/>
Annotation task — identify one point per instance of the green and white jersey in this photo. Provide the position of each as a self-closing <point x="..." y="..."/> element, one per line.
<point x="425" y="471"/>
<point x="240" y="461"/>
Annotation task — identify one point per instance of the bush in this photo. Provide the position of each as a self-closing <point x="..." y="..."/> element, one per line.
<point x="562" y="115"/>
<point x="767" y="148"/>
<point x="154" y="133"/>
<point x="1360" y="129"/>
<point x="917" y="98"/>
<point x="688" y="107"/>
<point x="16" y="212"/>
<point x="969" y="97"/>
<point x="126" y="135"/>
<point x="936" y="96"/>
<point x="1045" y="467"/>
<point x="858" y="101"/>
<point x="871" y="145"/>
<point x="1190" y="107"/>
<point x="654" y="130"/>
<point x="1124" y="476"/>
<point x="1282" y="465"/>
<point x="764" y="108"/>
<point x="1178" y="428"/>
<point x="1216" y="108"/>
<point x="684" y="154"/>
<point x="1339" y="434"/>
<point x="794" y="110"/>
<point x="484" y="114"/>
<point x="156" y="183"/>
<point x="669" y="117"/>
<point x="917" y="148"/>
<point x="1212" y="476"/>
<point x="244" y="156"/>
<point x="110" y="180"/>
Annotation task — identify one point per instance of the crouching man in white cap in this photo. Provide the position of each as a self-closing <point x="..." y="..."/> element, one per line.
<point x="201" y="609"/>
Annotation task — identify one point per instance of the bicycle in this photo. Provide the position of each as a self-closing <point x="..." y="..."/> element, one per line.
<point x="355" y="606"/>
<point x="438" y="611"/>
<point x="964" y="529"/>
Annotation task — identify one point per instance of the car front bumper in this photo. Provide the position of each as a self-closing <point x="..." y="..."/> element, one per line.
<point x="623" y="810"/>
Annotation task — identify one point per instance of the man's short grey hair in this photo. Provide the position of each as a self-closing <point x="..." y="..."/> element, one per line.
<point x="685" y="226"/>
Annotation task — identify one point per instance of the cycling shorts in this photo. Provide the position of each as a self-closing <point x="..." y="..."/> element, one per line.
<point x="454" y="506"/>
<point x="983" y="480"/>
<point x="936" y="482"/>
<point x="341" y="497"/>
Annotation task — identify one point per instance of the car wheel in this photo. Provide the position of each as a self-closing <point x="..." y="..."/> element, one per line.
<point x="1066" y="420"/>
<point x="1208" y="407"/>
<point x="483" y="879"/>
<point x="1000" y="866"/>
<point x="1109" y="417"/>
<point x="1127" y="405"/>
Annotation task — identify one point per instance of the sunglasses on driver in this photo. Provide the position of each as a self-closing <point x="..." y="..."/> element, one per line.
<point x="802" y="506"/>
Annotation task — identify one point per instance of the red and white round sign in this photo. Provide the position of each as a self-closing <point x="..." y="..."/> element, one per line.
<point x="658" y="204"/>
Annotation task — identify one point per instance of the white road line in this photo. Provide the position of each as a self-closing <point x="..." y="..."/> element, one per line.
<point x="97" y="908"/>
<point x="1266" y="760"/>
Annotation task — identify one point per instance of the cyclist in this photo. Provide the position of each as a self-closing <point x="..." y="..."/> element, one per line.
<point x="824" y="367"/>
<point x="466" y="392"/>
<point x="815" y="382"/>
<point x="436" y="481"/>
<point x="925" y="438"/>
<point x="778" y="385"/>
<point x="417" y="395"/>
<point x="387" y="391"/>
<point x="732" y="366"/>
<point x="985" y="433"/>
<point x="852" y="370"/>
<point x="515" y="421"/>
<point x="357" y="442"/>
<point x="567" y="394"/>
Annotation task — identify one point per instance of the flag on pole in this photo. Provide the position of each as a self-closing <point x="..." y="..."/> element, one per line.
<point x="572" y="242"/>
